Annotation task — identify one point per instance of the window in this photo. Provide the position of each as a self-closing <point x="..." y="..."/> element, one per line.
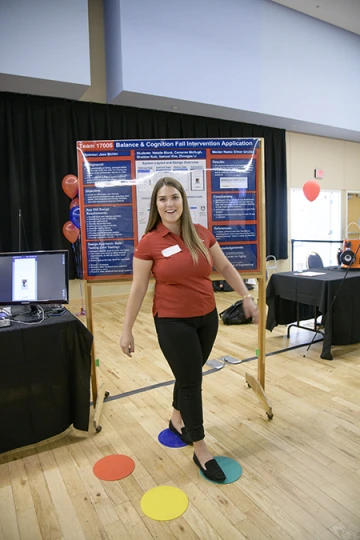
<point x="317" y="220"/>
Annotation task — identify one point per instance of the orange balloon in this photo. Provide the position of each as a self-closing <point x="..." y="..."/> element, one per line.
<point x="74" y="202"/>
<point x="311" y="190"/>
<point x="70" y="185"/>
<point x="71" y="232"/>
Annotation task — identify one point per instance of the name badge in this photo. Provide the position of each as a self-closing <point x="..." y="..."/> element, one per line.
<point x="171" y="251"/>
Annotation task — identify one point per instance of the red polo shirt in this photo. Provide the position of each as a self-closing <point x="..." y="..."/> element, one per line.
<point x="182" y="288"/>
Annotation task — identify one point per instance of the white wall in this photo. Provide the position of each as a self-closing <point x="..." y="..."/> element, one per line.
<point x="340" y="161"/>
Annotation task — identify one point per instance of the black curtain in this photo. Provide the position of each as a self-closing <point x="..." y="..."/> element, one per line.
<point x="38" y="148"/>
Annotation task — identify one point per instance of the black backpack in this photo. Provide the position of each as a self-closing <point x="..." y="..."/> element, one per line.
<point x="220" y="285"/>
<point x="234" y="314"/>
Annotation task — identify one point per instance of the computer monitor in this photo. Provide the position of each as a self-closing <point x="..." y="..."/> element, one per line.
<point x="34" y="277"/>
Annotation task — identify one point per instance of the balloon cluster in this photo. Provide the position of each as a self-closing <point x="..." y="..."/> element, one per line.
<point x="71" y="229"/>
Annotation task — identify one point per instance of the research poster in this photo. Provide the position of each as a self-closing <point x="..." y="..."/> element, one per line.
<point x="116" y="179"/>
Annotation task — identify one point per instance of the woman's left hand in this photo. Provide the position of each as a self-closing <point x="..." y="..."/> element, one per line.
<point x="251" y="309"/>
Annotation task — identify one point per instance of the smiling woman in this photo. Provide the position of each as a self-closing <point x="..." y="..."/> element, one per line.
<point x="181" y="255"/>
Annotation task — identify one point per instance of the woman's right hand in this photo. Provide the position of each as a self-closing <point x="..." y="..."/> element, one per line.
<point x="127" y="343"/>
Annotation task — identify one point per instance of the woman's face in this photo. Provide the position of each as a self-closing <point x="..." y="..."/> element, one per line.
<point x="170" y="205"/>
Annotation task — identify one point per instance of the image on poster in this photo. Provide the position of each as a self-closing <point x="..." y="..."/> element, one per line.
<point x="190" y="173"/>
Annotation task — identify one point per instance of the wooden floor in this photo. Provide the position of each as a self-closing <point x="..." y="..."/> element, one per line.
<point x="301" y="470"/>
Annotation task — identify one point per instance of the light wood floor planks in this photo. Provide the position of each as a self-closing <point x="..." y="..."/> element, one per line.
<point x="301" y="471"/>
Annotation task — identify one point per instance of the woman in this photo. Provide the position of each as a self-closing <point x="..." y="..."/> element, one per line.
<point x="181" y="256"/>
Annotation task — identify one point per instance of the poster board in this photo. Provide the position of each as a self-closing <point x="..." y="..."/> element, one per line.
<point x="116" y="178"/>
<point x="224" y="182"/>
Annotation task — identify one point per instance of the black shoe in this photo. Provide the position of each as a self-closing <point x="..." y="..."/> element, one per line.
<point x="184" y="435"/>
<point x="213" y="470"/>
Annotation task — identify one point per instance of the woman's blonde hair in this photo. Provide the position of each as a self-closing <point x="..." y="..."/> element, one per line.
<point x="188" y="231"/>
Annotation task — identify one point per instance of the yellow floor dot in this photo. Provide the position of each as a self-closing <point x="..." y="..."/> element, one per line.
<point x="164" y="503"/>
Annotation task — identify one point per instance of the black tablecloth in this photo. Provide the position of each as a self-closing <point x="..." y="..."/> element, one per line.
<point x="44" y="380"/>
<point x="342" y="317"/>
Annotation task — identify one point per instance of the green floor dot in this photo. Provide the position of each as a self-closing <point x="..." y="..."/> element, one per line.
<point x="231" y="468"/>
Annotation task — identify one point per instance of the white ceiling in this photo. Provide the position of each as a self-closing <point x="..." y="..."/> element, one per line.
<point x="342" y="13"/>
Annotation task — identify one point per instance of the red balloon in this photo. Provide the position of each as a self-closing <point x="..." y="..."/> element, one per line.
<point x="311" y="190"/>
<point x="74" y="202"/>
<point x="70" y="185"/>
<point x="71" y="232"/>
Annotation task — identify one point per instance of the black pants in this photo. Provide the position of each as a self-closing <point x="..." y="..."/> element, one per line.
<point x="186" y="344"/>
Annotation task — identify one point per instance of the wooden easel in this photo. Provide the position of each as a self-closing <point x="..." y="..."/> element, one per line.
<point x="98" y="394"/>
<point x="258" y="384"/>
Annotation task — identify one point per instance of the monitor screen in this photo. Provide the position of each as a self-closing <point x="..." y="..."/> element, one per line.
<point x="34" y="277"/>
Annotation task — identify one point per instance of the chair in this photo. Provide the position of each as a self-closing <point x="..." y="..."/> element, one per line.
<point x="270" y="266"/>
<point x="314" y="260"/>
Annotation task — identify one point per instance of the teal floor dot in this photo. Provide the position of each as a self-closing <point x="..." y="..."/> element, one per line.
<point x="231" y="468"/>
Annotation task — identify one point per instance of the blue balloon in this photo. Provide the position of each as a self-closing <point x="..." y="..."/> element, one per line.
<point x="75" y="216"/>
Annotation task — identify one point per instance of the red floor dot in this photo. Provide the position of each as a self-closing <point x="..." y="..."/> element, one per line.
<point x="114" y="467"/>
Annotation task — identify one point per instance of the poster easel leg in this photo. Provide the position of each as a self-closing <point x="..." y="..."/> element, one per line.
<point x="260" y="392"/>
<point x="98" y="394"/>
<point x="258" y="385"/>
<point x="102" y="394"/>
